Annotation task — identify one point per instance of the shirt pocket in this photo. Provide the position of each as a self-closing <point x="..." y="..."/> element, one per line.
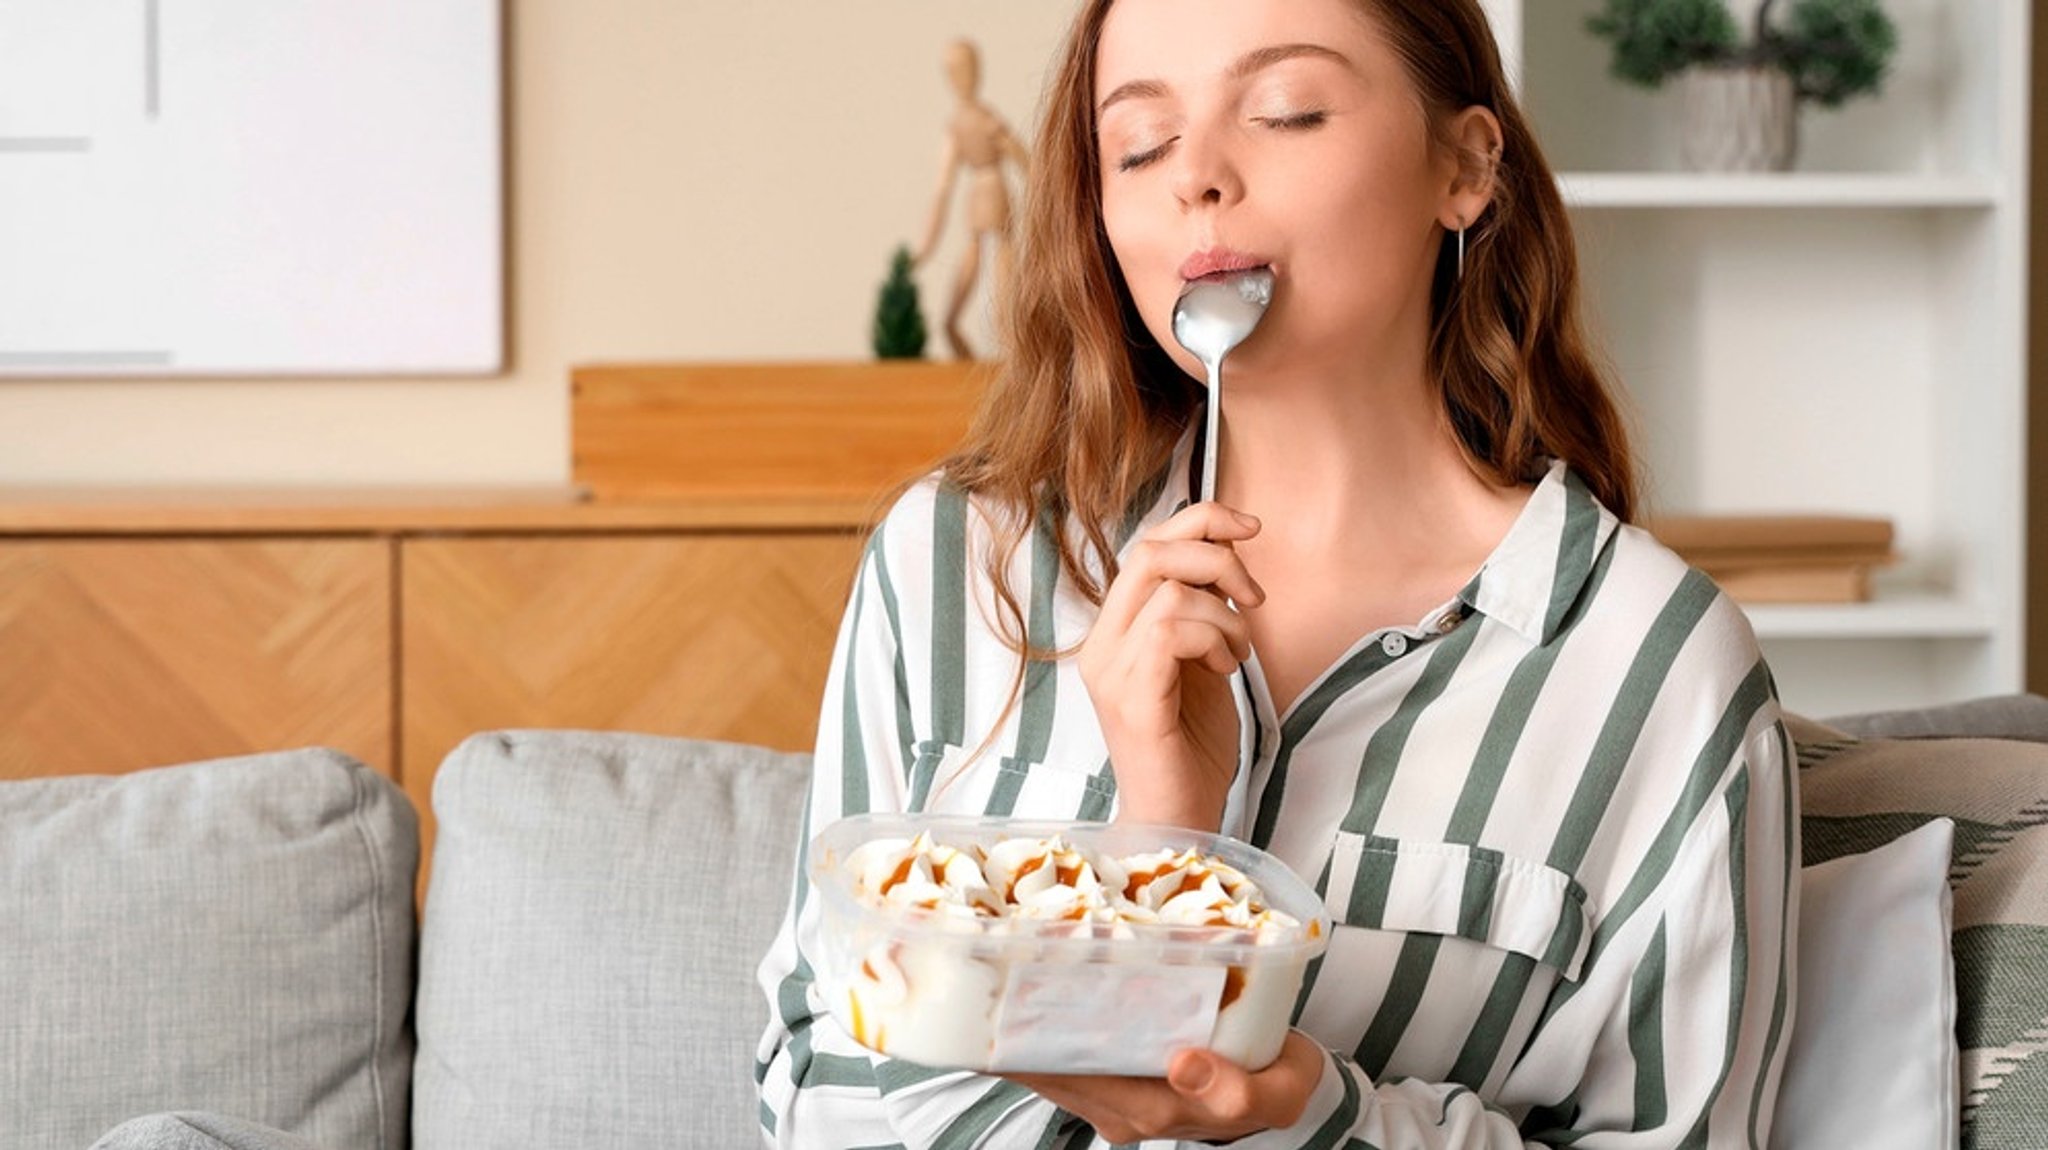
<point x="1053" y="789"/>
<point x="943" y="780"/>
<point x="1487" y="896"/>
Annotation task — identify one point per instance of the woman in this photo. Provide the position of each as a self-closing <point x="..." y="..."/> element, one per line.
<point x="1534" y="763"/>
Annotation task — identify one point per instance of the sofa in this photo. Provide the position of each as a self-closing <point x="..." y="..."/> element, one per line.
<point x="227" y="954"/>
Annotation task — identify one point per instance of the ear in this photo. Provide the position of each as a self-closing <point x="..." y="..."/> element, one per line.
<point x="1475" y="163"/>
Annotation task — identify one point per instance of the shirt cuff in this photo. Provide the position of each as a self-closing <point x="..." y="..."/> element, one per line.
<point x="1323" y="1104"/>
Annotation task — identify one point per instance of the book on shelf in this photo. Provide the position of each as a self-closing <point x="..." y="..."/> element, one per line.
<point x="1811" y="584"/>
<point x="1782" y="558"/>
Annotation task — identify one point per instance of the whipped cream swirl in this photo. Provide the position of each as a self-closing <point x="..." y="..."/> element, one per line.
<point x="1052" y="879"/>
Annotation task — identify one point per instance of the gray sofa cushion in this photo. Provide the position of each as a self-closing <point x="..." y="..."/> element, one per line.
<point x="233" y="936"/>
<point x="597" y="906"/>
<point x="2022" y="717"/>
<point x="198" y="1132"/>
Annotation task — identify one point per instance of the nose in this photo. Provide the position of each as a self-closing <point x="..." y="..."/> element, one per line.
<point x="1205" y="173"/>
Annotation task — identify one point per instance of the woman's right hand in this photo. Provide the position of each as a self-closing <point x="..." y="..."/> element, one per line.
<point x="1157" y="665"/>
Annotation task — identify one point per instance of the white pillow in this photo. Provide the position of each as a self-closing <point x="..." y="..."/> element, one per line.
<point x="1873" y="1057"/>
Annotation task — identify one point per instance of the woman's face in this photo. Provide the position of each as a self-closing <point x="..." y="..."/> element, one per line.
<point x="1276" y="132"/>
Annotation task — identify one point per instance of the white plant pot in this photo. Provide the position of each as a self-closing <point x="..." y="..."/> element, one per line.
<point x="1739" y="119"/>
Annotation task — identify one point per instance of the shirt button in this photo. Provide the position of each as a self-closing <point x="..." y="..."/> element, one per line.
<point x="1395" y="644"/>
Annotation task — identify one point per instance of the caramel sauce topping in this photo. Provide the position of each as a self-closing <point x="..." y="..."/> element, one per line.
<point x="1190" y="879"/>
<point x="902" y="874"/>
<point x="860" y="1026"/>
<point x="1233" y="987"/>
<point x="1139" y="881"/>
<point x="1029" y="865"/>
<point x="1063" y="873"/>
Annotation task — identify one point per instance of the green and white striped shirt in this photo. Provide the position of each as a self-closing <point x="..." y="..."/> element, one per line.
<point x="1554" y="822"/>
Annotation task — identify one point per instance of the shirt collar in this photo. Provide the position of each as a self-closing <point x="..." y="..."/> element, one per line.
<point x="1540" y="569"/>
<point x="1531" y="581"/>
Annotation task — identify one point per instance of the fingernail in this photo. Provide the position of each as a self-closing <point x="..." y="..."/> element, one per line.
<point x="1195" y="1076"/>
<point x="1247" y="520"/>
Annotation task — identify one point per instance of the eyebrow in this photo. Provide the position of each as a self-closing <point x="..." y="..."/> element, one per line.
<point x="1252" y="61"/>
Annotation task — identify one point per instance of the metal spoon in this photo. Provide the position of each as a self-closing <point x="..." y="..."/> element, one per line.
<point x="1212" y="316"/>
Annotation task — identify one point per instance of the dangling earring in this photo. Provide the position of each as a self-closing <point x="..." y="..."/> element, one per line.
<point x="1461" y="250"/>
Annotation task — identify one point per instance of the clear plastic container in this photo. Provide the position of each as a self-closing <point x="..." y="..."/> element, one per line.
<point x="1024" y="994"/>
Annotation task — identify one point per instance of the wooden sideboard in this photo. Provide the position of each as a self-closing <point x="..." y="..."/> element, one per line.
<point x="680" y="586"/>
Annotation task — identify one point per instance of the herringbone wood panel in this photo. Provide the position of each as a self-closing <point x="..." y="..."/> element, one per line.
<point x="716" y="637"/>
<point x="120" y="655"/>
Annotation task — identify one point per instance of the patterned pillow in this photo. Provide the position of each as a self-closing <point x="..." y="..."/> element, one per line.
<point x="1857" y="794"/>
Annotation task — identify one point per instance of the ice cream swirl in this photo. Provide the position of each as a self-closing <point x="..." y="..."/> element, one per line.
<point x="1050" y="878"/>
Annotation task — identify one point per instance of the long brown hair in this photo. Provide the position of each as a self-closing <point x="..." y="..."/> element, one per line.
<point x="1086" y="407"/>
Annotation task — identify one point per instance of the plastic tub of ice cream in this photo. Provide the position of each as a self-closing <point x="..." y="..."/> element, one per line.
<point x="1012" y="945"/>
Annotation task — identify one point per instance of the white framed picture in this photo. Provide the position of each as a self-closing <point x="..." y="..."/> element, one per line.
<point x="251" y="187"/>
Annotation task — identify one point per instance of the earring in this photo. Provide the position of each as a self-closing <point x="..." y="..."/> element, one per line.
<point x="1461" y="249"/>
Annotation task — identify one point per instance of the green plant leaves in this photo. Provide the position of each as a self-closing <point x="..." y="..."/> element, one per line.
<point x="1838" y="49"/>
<point x="1834" y="50"/>
<point x="1655" y="39"/>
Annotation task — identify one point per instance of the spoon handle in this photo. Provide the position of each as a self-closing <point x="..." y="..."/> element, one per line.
<point x="1212" y="430"/>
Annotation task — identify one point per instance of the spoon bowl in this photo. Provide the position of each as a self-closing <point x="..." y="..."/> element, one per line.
<point x="1212" y="316"/>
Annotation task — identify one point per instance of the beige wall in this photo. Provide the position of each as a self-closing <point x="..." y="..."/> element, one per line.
<point x="686" y="180"/>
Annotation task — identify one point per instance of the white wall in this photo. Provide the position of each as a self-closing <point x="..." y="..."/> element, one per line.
<point x="686" y="180"/>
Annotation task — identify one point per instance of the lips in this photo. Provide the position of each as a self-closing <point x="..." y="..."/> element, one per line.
<point x="1218" y="262"/>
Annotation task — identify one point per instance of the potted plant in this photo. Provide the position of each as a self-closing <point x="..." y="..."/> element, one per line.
<point x="1742" y="95"/>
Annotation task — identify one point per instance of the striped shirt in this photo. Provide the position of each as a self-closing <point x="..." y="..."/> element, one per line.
<point x="1554" y="823"/>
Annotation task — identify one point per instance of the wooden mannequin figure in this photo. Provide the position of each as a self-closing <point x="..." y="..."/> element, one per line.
<point x="977" y="139"/>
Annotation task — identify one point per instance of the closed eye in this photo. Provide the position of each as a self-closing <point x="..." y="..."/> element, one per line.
<point x="1138" y="160"/>
<point x="1295" y="122"/>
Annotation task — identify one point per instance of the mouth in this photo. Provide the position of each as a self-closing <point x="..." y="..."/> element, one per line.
<point x="1216" y="263"/>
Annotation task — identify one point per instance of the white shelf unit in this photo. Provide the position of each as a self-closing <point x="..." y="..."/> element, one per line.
<point x="1847" y="338"/>
<point x="1793" y="190"/>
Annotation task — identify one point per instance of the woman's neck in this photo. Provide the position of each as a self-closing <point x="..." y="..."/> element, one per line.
<point x="1362" y="460"/>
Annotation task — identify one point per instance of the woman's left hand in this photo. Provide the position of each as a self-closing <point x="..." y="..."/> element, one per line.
<point x="1204" y="1096"/>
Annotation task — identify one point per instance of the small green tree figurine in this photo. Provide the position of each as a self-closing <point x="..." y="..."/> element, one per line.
<point x="899" y="323"/>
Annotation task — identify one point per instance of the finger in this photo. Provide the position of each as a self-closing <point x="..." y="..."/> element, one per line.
<point x="1153" y="671"/>
<point x="1152" y="564"/>
<point x="1196" y="523"/>
<point x="1215" y="1087"/>
<point x="1200" y="563"/>
<point x="1283" y="1088"/>
<point x="1211" y="523"/>
<point x="1235" y="1100"/>
<point x="1211" y="520"/>
<point x="1193" y="626"/>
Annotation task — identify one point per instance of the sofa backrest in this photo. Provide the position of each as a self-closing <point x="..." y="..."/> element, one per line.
<point x="234" y="936"/>
<point x="1859" y="794"/>
<point x="595" y="912"/>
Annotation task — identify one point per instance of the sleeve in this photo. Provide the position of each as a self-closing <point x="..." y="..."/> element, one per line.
<point x="1681" y="1031"/>
<point x="818" y="1087"/>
